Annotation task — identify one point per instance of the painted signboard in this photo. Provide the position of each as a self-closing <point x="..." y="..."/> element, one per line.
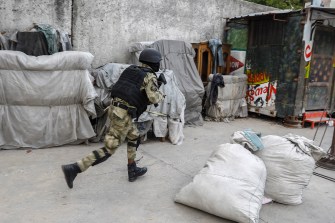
<point x="237" y="58"/>
<point x="261" y="92"/>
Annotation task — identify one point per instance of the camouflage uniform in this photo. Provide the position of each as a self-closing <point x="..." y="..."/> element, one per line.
<point x="122" y="126"/>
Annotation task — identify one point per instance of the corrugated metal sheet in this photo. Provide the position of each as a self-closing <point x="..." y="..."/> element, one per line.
<point x="274" y="12"/>
<point x="315" y="15"/>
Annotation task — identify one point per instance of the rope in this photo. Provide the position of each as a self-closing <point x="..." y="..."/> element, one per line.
<point x="324" y="176"/>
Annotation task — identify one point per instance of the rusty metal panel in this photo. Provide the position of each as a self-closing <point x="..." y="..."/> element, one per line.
<point x="273" y="60"/>
<point x="273" y="63"/>
<point x="289" y="73"/>
<point x="319" y="94"/>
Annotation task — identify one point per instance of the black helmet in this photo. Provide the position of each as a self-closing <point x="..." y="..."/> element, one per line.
<point x="150" y="56"/>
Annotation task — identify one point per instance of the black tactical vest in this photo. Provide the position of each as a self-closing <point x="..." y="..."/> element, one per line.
<point x="128" y="87"/>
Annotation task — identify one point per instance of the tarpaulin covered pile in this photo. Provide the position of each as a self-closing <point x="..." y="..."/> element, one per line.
<point x="168" y="116"/>
<point x="226" y="103"/>
<point x="46" y="100"/>
<point x="178" y="56"/>
<point x="42" y="39"/>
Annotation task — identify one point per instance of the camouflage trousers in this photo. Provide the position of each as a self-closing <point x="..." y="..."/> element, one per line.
<point x="121" y="128"/>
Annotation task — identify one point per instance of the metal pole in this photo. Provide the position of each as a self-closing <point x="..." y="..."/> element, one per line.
<point x="328" y="162"/>
<point x="332" y="147"/>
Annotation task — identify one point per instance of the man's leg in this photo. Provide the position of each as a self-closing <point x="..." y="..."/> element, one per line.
<point x="95" y="157"/>
<point x="119" y="127"/>
<point x="132" y="145"/>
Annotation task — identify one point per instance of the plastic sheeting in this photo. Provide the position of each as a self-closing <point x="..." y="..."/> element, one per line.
<point x="230" y="185"/>
<point x="173" y="106"/>
<point x="231" y="101"/>
<point x="178" y="56"/>
<point x="46" y="100"/>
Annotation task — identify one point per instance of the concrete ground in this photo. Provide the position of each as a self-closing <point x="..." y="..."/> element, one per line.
<point x="32" y="187"/>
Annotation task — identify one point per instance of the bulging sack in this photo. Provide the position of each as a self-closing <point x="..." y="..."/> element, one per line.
<point x="230" y="185"/>
<point x="289" y="162"/>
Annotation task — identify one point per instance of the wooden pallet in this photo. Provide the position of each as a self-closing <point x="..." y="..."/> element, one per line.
<point x="316" y="117"/>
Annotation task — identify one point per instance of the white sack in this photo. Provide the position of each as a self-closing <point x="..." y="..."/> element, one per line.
<point x="160" y="126"/>
<point x="289" y="168"/>
<point x="230" y="185"/>
<point x="46" y="100"/>
<point x="176" y="134"/>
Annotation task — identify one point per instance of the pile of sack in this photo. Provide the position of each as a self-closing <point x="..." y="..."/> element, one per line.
<point x="239" y="175"/>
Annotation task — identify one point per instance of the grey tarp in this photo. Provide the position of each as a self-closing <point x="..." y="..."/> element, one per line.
<point x="173" y="106"/>
<point x="46" y="100"/>
<point x="178" y="56"/>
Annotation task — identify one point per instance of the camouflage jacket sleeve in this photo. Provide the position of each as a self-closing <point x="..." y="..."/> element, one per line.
<point x="151" y="88"/>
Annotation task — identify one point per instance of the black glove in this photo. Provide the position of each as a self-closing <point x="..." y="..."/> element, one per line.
<point x="161" y="80"/>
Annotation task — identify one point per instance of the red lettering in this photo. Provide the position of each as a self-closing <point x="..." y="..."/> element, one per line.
<point x="265" y="90"/>
<point x="272" y="90"/>
<point x="258" y="91"/>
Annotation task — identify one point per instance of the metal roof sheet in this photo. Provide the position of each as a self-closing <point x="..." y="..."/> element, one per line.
<point x="284" y="11"/>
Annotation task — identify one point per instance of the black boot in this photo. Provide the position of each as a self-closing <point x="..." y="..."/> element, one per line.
<point x="70" y="172"/>
<point x="134" y="171"/>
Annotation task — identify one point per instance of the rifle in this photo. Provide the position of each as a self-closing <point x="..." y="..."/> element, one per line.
<point x="161" y="80"/>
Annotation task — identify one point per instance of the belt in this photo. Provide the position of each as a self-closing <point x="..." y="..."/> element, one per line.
<point x="131" y="111"/>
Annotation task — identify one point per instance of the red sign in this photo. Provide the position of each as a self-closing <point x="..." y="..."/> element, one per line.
<point x="308" y="51"/>
<point x="235" y="64"/>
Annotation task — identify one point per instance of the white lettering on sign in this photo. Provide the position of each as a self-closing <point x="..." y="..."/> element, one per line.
<point x="235" y="64"/>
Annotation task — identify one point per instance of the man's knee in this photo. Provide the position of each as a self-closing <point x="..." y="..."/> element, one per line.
<point x="134" y="143"/>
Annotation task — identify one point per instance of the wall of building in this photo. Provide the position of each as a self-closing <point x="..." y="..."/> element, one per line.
<point x="20" y="15"/>
<point x="107" y="28"/>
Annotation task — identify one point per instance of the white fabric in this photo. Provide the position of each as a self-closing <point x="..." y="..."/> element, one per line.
<point x="176" y="127"/>
<point x="230" y="185"/>
<point x="173" y="106"/>
<point x="248" y="139"/>
<point x="45" y="101"/>
<point x="289" y="165"/>
<point x="231" y="101"/>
